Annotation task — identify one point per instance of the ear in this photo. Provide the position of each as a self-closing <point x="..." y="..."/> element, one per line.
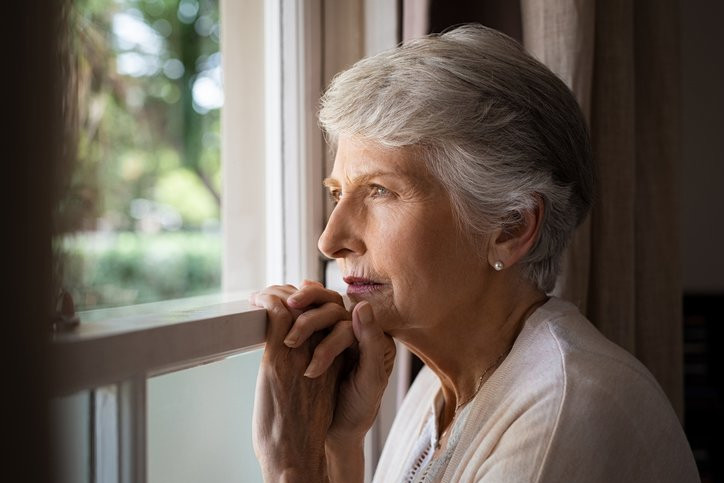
<point x="509" y="245"/>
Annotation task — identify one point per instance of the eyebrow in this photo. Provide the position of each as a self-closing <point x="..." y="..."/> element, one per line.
<point x="364" y="178"/>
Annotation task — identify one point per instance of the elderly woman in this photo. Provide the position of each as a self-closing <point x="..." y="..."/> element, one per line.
<point x="462" y="168"/>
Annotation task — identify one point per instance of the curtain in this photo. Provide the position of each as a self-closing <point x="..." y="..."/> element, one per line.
<point x="621" y="59"/>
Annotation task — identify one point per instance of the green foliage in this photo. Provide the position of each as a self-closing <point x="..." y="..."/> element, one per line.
<point x="182" y="190"/>
<point x="112" y="269"/>
<point x="138" y="62"/>
<point x="148" y="165"/>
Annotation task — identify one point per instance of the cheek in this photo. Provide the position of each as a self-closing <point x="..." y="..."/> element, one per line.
<point x="425" y="255"/>
<point x="434" y="265"/>
<point x="417" y="251"/>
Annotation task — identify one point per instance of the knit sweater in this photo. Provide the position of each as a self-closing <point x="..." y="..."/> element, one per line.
<point x="566" y="405"/>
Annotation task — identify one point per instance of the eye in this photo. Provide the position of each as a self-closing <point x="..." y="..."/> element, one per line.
<point x="379" y="191"/>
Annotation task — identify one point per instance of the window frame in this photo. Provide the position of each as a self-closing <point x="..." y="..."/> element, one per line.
<point x="118" y="353"/>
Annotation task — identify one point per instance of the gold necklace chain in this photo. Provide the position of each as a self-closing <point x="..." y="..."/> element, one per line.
<point x="479" y="385"/>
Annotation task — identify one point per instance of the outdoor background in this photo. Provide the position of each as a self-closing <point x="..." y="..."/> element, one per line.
<point x="140" y="220"/>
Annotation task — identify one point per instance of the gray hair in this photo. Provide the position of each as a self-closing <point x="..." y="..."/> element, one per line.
<point x="497" y="128"/>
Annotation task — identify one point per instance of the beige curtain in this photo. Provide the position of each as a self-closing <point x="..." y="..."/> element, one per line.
<point x="621" y="59"/>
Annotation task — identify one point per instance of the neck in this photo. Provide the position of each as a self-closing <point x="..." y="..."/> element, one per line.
<point x="467" y="341"/>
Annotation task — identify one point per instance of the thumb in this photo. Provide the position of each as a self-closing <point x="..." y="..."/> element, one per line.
<point x="373" y="346"/>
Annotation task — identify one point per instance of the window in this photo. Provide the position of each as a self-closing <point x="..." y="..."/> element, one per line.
<point x="162" y="391"/>
<point x="149" y="392"/>
<point x="142" y="212"/>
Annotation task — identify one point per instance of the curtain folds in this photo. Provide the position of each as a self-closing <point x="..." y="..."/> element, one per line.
<point x="621" y="59"/>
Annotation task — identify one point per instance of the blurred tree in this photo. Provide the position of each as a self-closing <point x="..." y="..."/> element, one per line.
<point x="147" y="81"/>
<point x="142" y="66"/>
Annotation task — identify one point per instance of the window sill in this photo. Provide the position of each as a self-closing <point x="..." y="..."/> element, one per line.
<point x="113" y="345"/>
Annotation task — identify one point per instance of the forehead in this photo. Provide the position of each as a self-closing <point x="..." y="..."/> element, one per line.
<point x="358" y="159"/>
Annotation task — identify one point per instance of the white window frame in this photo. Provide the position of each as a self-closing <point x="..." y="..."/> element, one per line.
<point x="129" y="345"/>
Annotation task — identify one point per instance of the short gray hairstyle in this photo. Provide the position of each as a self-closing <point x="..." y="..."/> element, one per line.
<point x="497" y="128"/>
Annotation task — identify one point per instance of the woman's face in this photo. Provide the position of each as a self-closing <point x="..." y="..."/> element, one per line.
<point x="395" y="238"/>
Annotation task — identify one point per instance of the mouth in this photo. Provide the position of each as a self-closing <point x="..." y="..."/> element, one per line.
<point x="361" y="286"/>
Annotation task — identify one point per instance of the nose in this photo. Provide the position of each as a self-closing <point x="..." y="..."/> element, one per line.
<point x="342" y="236"/>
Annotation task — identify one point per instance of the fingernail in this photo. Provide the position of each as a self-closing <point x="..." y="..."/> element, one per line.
<point x="312" y="370"/>
<point x="291" y="341"/>
<point x="365" y="313"/>
<point x="293" y="299"/>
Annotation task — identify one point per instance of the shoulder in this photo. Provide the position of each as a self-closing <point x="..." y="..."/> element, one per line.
<point x="566" y="354"/>
<point x="591" y="373"/>
<point x="570" y="348"/>
<point x="610" y="405"/>
<point x="569" y="405"/>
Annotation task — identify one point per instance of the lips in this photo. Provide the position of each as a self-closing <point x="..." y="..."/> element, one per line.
<point x="361" y="285"/>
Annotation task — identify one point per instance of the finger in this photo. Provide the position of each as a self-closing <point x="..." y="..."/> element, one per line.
<point x="375" y="347"/>
<point x="279" y="318"/>
<point x="313" y="294"/>
<point x="282" y="292"/>
<point x="341" y="337"/>
<point x="314" y="320"/>
<point x="307" y="282"/>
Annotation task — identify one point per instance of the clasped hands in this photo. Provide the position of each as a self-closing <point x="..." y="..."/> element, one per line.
<point x="320" y="384"/>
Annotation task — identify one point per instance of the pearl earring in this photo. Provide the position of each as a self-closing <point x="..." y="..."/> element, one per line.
<point x="498" y="265"/>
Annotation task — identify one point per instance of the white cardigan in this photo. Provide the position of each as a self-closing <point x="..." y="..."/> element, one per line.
<point x="566" y="405"/>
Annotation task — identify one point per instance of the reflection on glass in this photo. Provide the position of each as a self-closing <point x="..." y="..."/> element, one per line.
<point x="199" y="423"/>
<point x="140" y="220"/>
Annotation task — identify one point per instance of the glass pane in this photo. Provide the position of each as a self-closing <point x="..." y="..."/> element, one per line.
<point x="71" y="427"/>
<point x="140" y="220"/>
<point x="199" y="423"/>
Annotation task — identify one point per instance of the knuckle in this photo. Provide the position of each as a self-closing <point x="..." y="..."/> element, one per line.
<point x="331" y="306"/>
<point x="279" y="312"/>
<point x="336" y="309"/>
<point x="265" y="297"/>
<point x="306" y="293"/>
<point x="333" y="296"/>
